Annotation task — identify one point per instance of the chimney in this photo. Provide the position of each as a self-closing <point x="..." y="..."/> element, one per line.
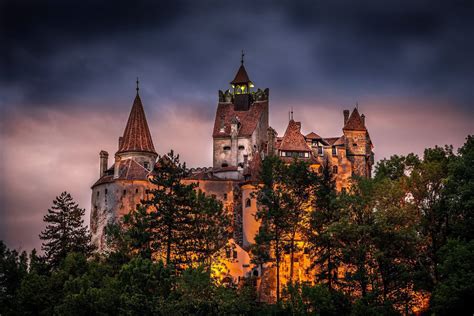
<point x="346" y="116"/>
<point x="104" y="159"/>
<point x="363" y="119"/>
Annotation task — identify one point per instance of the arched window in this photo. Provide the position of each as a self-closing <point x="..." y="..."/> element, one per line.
<point x="334" y="169"/>
<point x="248" y="202"/>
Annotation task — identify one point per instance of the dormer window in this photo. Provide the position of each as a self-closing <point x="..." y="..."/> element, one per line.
<point x="226" y="147"/>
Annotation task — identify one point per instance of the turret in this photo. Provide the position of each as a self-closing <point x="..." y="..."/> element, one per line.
<point x="241" y="86"/>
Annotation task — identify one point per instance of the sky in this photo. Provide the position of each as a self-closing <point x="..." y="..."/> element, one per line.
<point x="68" y="72"/>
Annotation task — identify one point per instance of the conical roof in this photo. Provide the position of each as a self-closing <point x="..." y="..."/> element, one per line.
<point x="355" y="123"/>
<point x="136" y="136"/>
<point x="241" y="76"/>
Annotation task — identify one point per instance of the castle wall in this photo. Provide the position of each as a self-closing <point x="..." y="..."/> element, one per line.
<point x="110" y="201"/>
<point x="250" y="225"/>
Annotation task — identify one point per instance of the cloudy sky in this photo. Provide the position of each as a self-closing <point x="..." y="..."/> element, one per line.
<point x="68" y="71"/>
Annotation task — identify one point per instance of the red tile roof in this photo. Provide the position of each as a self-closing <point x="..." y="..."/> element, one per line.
<point x="136" y="136"/>
<point x="129" y="169"/>
<point x="313" y="135"/>
<point x="293" y="140"/>
<point x="248" y="119"/>
<point x="241" y="76"/>
<point x="355" y="123"/>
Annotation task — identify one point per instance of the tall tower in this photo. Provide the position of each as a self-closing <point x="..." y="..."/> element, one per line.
<point x="358" y="143"/>
<point x="122" y="186"/>
<point x="240" y="128"/>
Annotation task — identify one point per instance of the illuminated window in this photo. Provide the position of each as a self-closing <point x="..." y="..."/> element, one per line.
<point x="334" y="169"/>
<point x="248" y="203"/>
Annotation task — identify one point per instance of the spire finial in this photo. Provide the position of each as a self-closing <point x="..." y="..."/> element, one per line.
<point x="137" y="85"/>
<point x="291" y="113"/>
<point x="357" y="105"/>
<point x="242" y="57"/>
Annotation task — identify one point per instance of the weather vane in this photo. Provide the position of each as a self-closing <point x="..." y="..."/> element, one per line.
<point x="242" y="57"/>
<point x="137" y="85"/>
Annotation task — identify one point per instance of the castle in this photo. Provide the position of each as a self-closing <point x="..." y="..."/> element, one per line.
<point x="242" y="138"/>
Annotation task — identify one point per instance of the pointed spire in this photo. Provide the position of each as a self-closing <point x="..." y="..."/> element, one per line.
<point x="241" y="77"/>
<point x="137" y="136"/>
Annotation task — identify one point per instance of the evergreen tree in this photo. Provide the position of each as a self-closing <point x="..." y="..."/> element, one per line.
<point x="65" y="231"/>
<point x="177" y="223"/>
<point x="322" y="242"/>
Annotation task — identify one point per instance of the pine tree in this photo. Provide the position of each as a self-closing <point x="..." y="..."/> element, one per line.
<point x="65" y="231"/>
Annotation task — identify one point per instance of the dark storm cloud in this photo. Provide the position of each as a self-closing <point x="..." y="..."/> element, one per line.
<point x="57" y="51"/>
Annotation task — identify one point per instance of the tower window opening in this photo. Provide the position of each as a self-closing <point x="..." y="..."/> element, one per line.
<point x="124" y="192"/>
<point x="145" y="165"/>
<point x="241" y="147"/>
<point x="248" y="203"/>
<point x="334" y="169"/>
<point x="225" y="196"/>
<point x="98" y="192"/>
<point x="226" y="147"/>
<point x="106" y="191"/>
<point x="234" y="254"/>
<point x="136" y="190"/>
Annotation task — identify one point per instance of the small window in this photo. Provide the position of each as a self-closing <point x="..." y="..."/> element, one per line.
<point x="136" y="190"/>
<point x="255" y="273"/>
<point x="145" y="164"/>
<point x="106" y="191"/>
<point x="226" y="147"/>
<point x="354" y="145"/>
<point x="98" y="193"/>
<point x="241" y="164"/>
<point x="248" y="203"/>
<point x="225" y="196"/>
<point x="124" y="192"/>
<point x="227" y="253"/>
<point x="224" y="165"/>
<point x="241" y="147"/>
<point x="334" y="169"/>
<point x="320" y="150"/>
<point x="234" y="254"/>
<point x="334" y="151"/>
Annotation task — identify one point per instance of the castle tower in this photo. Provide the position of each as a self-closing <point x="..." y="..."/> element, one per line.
<point x="358" y="143"/>
<point x="240" y="128"/>
<point x="121" y="187"/>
